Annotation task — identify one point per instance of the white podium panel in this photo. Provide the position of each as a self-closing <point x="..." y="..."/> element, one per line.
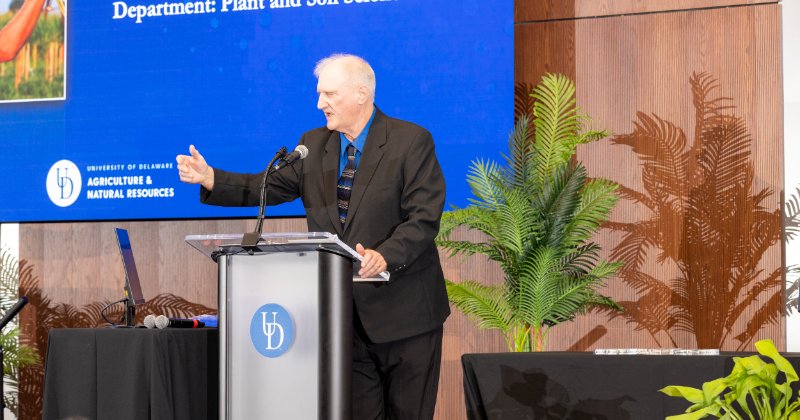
<point x="279" y="381"/>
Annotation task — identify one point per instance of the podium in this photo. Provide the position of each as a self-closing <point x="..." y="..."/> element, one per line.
<point x="285" y="325"/>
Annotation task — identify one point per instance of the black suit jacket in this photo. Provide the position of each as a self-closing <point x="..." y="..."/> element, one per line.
<point x="396" y="202"/>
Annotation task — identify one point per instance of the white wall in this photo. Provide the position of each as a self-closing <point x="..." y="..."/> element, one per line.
<point x="9" y="238"/>
<point x="791" y="137"/>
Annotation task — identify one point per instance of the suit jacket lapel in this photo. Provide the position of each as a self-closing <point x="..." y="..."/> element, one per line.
<point x="330" y="171"/>
<point x="368" y="163"/>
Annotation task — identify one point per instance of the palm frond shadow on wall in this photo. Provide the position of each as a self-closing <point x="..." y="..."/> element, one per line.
<point x="703" y="218"/>
<point x="48" y="315"/>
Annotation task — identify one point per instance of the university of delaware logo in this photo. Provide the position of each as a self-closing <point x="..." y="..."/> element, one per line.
<point x="272" y="330"/>
<point x="63" y="183"/>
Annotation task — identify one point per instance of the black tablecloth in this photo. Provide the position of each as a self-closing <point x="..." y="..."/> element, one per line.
<point x="132" y="374"/>
<point x="577" y="386"/>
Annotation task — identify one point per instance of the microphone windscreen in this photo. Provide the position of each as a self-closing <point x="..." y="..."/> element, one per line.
<point x="303" y="150"/>
<point x="150" y="321"/>
<point x="162" y="322"/>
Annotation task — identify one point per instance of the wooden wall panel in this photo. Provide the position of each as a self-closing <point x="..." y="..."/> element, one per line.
<point x="643" y="63"/>
<point x="548" y="10"/>
<point x="544" y="48"/>
<point x="79" y="262"/>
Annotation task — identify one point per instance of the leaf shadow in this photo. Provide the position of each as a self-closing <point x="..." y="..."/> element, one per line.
<point x="706" y="221"/>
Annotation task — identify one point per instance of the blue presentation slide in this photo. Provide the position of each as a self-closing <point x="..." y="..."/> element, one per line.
<point x="141" y="80"/>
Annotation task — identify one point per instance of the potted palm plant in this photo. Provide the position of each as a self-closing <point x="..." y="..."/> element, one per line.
<point x="538" y="213"/>
<point x="15" y="355"/>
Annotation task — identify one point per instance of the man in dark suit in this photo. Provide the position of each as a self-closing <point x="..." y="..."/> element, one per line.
<point x="384" y="197"/>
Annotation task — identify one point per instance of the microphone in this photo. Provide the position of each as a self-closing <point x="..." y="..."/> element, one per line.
<point x="300" y="152"/>
<point x="150" y="321"/>
<point x="13" y="311"/>
<point x="281" y="153"/>
<point x="164" y="322"/>
<point x="250" y="239"/>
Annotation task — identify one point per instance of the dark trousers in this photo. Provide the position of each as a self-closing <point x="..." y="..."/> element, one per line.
<point x="397" y="380"/>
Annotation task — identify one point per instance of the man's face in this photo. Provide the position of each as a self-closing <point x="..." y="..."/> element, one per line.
<point x="338" y="99"/>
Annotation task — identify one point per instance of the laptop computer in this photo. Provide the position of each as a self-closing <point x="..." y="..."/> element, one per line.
<point x="133" y="289"/>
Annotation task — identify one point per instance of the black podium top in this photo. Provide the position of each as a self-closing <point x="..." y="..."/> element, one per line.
<point x="132" y="373"/>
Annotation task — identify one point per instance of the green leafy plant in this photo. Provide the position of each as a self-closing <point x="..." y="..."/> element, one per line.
<point x="751" y="391"/>
<point x="15" y="355"/>
<point x="538" y="214"/>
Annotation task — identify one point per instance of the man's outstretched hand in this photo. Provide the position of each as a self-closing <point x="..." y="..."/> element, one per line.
<point x="193" y="169"/>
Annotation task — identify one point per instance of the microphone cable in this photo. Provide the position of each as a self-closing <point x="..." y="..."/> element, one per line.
<point x="105" y="308"/>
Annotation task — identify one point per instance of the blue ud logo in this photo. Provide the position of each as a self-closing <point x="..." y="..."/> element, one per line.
<point x="272" y="330"/>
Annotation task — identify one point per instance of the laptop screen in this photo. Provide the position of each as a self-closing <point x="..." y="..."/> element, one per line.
<point x="132" y="286"/>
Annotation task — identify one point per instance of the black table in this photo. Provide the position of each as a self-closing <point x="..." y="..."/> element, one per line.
<point x="578" y="386"/>
<point x="132" y="373"/>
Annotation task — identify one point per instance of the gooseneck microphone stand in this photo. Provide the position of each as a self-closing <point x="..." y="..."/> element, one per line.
<point x="250" y="239"/>
<point x="6" y="319"/>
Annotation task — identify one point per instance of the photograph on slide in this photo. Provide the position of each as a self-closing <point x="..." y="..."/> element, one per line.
<point x="32" y="50"/>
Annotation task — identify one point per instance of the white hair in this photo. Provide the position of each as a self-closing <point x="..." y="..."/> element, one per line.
<point x="360" y="71"/>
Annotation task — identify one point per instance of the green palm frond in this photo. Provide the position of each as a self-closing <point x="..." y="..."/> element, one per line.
<point x="575" y="295"/>
<point x="591" y="136"/>
<point x="476" y="218"/>
<point x="597" y="200"/>
<point x="571" y="301"/>
<point x="483" y="304"/>
<point x="465" y="248"/>
<point x="557" y="122"/>
<point x="15" y="356"/>
<point x="581" y="260"/>
<point x="604" y="269"/>
<point x="603" y="303"/>
<point x="517" y="222"/>
<point x="485" y="181"/>
<point x="559" y="199"/>
<point x="532" y="292"/>
<point x="521" y="153"/>
<point x="473" y="217"/>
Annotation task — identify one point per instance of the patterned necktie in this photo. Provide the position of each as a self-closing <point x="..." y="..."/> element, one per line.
<point x="345" y="184"/>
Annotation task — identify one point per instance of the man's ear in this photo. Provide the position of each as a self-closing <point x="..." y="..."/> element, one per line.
<point x="363" y="94"/>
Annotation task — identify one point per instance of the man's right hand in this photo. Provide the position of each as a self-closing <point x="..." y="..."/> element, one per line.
<point x="193" y="169"/>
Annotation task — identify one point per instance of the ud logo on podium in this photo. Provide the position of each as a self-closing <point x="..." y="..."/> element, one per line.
<point x="272" y="330"/>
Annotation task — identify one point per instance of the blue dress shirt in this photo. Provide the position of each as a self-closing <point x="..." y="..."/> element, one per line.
<point x="358" y="143"/>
